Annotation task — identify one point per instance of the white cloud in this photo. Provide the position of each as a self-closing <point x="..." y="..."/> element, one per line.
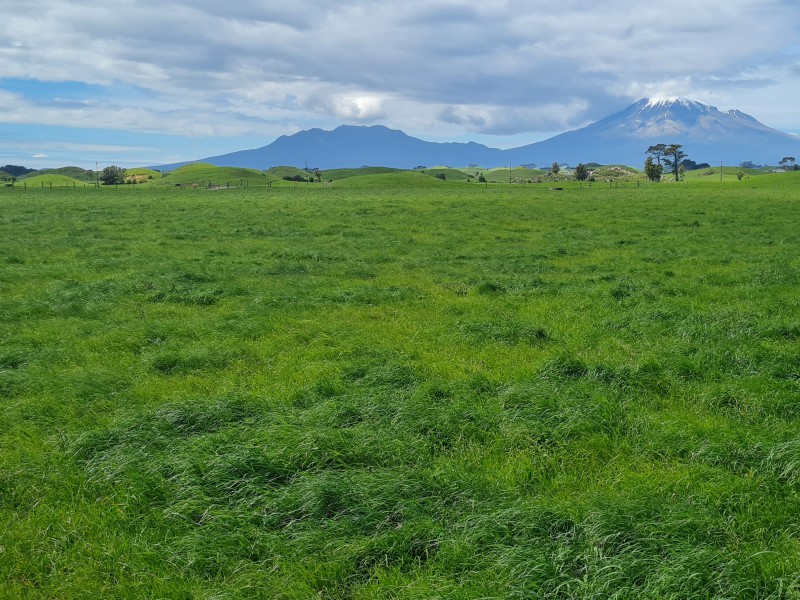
<point x="349" y="107"/>
<point x="39" y="156"/>
<point x="500" y="66"/>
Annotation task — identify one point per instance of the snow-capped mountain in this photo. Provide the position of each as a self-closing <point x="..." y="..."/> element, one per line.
<point x="707" y="134"/>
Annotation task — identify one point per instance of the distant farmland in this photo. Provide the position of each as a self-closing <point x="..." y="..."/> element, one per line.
<point x="396" y="386"/>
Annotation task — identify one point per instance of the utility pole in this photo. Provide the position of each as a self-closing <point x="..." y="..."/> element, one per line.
<point x="509" y="171"/>
<point x="96" y="176"/>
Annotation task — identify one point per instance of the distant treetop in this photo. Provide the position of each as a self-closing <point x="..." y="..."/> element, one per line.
<point x="16" y="170"/>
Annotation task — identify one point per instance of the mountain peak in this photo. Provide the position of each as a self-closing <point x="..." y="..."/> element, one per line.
<point x="670" y="102"/>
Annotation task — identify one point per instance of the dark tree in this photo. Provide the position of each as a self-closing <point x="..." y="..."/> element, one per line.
<point x="652" y="170"/>
<point x="787" y="162"/>
<point x="673" y="155"/>
<point x="691" y="165"/>
<point x="581" y="172"/>
<point x="657" y="151"/>
<point x="554" y="169"/>
<point x="112" y="175"/>
<point x="16" y="170"/>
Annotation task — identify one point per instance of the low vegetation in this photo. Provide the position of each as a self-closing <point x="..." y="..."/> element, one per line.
<point x="400" y="387"/>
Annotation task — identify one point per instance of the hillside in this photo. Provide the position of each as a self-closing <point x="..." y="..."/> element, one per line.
<point x="52" y="180"/>
<point x="207" y="175"/>
<point x="77" y="173"/>
<point x="399" y="179"/>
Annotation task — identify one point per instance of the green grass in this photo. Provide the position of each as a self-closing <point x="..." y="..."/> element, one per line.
<point x="334" y="174"/>
<point x="730" y="174"/>
<point x="449" y="173"/>
<point x="143" y="175"/>
<point x="76" y="173"/>
<point x="518" y="174"/>
<point x="404" y="388"/>
<point x="51" y="180"/>
<point x="392" y="180"/>
<point x="204" y="175"/>
<point x="281" y="172"/>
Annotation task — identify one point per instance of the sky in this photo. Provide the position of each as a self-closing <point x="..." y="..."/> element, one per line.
<point x="146" y="82"/>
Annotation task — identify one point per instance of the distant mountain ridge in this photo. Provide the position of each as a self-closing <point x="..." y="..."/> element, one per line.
<point x="707" y="134"/>
<point x="352" y="146"/>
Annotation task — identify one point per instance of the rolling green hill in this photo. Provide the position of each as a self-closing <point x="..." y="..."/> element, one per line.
<point x="712" y="174"/>
<point x="336" y="174"/>
<point x="517" y="175"/>
<point x="206" y="175"/>
<point x="76" y="173"/>
<point x="284" y="171"/>
<point x="142" y="175"/>
<point x="449" y="173"/>
<point x="399" y="179"/>
<point x="52" y="180"/>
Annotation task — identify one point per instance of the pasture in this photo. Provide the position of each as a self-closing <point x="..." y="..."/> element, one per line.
<point x="421" y="390"/>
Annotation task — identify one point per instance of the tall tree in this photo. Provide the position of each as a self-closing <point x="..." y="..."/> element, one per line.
<point x="652" y="170"/>
<point x="554" y="169"/>
<point x="673" y="155"/>
<point x="112" y="175"/>
<point x="787" y="162"/>
<point x="657" y="151"/>
<point x="581" y="172"/>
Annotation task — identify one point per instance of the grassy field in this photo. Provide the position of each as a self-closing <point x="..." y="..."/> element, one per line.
<point x="420" y="390"/>
<point x="64" y="173"/>
<point x="51" y="180"/>
<point x="205" y="175"/>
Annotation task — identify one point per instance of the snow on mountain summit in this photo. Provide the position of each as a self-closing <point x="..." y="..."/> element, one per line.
<point x="682" y="104"/>
<point x="661" y="102"/>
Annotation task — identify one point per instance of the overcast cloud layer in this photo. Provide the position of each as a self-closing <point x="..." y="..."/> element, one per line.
<point x="248" y="71"/>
